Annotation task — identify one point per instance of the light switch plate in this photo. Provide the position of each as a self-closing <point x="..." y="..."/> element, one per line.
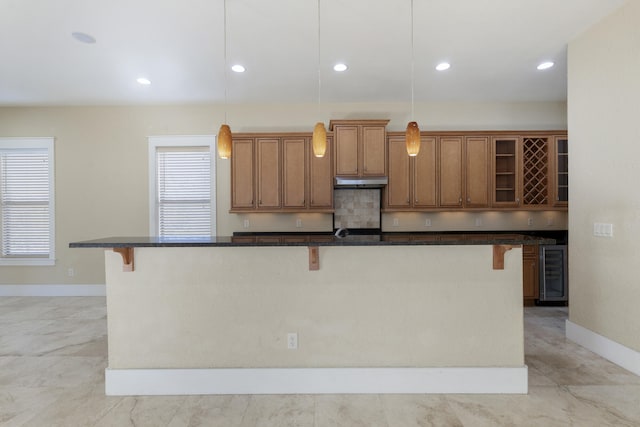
<point x="602" y="229"/>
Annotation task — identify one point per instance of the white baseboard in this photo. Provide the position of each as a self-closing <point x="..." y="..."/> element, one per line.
<point x="52" y="290"/>
<point x="617" y="353"/>
<point x="127" y="382"/>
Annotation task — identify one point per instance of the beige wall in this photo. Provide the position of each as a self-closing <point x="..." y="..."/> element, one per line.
<point x="101" y="166"/>
<point x="604" y="108"/>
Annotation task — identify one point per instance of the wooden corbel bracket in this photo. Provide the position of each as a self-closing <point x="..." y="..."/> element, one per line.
<point x="127" y="258"/>
<point x="314" y="258"/>
<point x="498" y="255"/>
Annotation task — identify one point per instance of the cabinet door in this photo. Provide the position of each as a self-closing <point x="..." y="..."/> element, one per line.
<point x="242" y="190"/>
<point x="530" y="283"/>
<point x="477" y="168"/>
<point x="451" y="171"/>
<point x="505" y="172"/>
<point x="268" y="155"/>
<point x="373" y="151"/>
<point x="321" y="179"/>
<point x="535" y="172"/>
<point x="561" y="171"/>
<point x="294" y="159"/>
<point x="425" y="174"/>
<point x="346" y="138"/>
<point x="398" y="188"/>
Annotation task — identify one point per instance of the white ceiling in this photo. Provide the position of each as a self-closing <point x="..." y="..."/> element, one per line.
<point x="493" y="46"/>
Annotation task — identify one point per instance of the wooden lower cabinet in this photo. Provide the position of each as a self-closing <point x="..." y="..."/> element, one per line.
<point x="530" y="274"/>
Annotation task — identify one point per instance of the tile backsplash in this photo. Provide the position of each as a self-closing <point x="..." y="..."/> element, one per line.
<point x="356" y="208"/>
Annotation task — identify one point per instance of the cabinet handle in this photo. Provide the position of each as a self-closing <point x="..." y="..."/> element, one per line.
<point x="468" y="199"/>
<point x="460" y="201"/>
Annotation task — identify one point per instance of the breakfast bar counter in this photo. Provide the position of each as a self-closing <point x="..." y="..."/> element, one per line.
<point x="314" y="313"/>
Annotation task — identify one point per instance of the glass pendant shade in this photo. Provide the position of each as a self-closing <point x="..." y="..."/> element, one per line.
<point x="224" y="142"/>
<point x="319" y="140"/>
<point x="413" y="139"/>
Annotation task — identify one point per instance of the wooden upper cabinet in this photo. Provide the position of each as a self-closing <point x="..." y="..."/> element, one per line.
<point x="425" y="174"/>
<point x="321" y="179"/>
<point x="398" y="190"/>
<point x="242" y="174"/>
<point x="506" y="172"/>
<point x="373" y="150"/>
<point x="346" y="150"/>
<point x="360" y="147"/>
<point x="451" y="171"/>
<point x="535" y="184"/>
<point x="294" y="158"/>
<point x="477" y="167"/>
<point x="268" y="161"/>
<point x="560" y="171"/>
<point x="412" y="180"/>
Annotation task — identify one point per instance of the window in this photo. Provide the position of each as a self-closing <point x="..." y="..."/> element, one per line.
<point x="27" y="227"/>
<point x="182" y="186"/>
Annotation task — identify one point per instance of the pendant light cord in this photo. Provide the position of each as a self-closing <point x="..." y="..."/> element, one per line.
<point x="412" y="64"/>
<point x="319" y="79"/>
<point x="225" y="58"/>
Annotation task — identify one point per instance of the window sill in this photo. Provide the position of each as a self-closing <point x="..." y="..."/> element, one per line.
<point x="30" y="262"/>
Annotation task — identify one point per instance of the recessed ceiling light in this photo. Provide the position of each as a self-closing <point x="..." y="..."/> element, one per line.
<point x="83" y="37"/>
<point x="545" y="65"/>
<point x="340" y="67"/>
<point x="144" y="81"/>
<point x="443" y="66"/>
<point x="238" y="68"/>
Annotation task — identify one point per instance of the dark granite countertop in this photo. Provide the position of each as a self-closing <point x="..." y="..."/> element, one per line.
<point x="291" y="239"/>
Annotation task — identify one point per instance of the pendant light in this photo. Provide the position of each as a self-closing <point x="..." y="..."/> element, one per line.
<point x="224" y="134"/>
<point x="319" y="138"/>
<point x="412" y="134"/>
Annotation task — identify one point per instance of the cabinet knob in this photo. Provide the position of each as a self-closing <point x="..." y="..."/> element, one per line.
<point x="468" y="199"/>
<point x="460" y="200"/>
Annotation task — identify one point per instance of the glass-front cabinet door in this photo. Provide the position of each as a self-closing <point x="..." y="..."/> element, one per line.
<point x="561" y="171"/>
<point x="505" y="172"/>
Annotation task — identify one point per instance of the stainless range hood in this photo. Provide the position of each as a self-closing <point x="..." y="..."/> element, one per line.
<point x="361" y="182"/>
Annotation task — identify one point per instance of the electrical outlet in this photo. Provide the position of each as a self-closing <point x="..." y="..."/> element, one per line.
<point x="246" y="223"/>
<point x="71" y="272"/>
<point x="529" y="221"/>
<point x="427" y="222"/>
<point x="292" y="341"/>
<point x="298" y="223"/>
<point x="549" y="221"/>
<point x="478" y="222"/>
<point x="396" y="222"/>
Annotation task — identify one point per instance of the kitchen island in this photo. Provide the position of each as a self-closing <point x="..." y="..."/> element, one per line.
<point x="391" y="313"/>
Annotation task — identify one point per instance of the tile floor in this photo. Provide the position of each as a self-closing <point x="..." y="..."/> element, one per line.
<point x="53" y="356"/>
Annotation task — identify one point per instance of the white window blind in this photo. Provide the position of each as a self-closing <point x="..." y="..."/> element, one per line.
<point x="184" y="202"/>
<point x="26" y="201"/>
